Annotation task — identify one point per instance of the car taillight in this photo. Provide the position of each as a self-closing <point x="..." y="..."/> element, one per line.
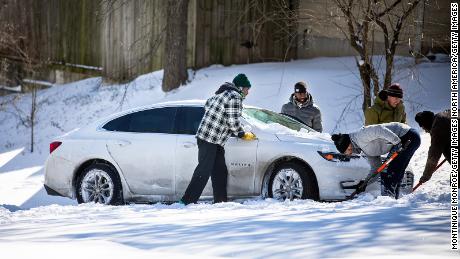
<point x="54" y="145"/>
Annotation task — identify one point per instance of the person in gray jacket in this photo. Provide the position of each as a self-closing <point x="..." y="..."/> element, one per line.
<point x="377" y="140"/>
<point x="301" y="107"/>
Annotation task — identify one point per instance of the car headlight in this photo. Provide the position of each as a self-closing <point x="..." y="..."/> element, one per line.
<point x="337" y="157"/>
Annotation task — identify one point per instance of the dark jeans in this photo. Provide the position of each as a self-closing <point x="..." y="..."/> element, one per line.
<point x="395" y="171"/>
<point x="211" y="162"/>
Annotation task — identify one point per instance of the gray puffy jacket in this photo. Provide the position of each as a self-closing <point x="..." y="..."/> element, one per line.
<point x="307" y="112"/>
<point x="377" y="140"/>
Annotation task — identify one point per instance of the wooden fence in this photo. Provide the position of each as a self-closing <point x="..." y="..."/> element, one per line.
<point x="126" y="37"/>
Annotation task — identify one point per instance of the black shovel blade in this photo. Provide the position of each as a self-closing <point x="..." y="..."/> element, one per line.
<point x="349" y="185"/>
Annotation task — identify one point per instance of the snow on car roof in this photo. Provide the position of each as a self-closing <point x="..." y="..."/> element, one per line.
<point x="194" y="102"/>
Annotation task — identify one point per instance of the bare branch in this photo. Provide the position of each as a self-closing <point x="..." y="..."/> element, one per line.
<point x="388" y="9"/>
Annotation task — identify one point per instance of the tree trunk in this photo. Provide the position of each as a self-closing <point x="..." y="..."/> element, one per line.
<point x="364" y="72"/>
<point x="32" y="117"/>
<point x="417" y="51"/>
<point x="175" y="63"/>
<point x="388" y="72"/>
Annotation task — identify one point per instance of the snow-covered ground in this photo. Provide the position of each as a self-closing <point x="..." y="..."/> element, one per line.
<point x="33" y="224"/>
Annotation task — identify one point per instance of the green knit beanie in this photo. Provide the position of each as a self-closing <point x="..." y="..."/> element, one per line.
<point x="241" y="81"/>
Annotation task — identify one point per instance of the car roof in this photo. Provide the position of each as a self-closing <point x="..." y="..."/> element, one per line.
<point x="180" y="103"/>
<point x="186" y="103"/>
<point x="193" y="102"/>
<point x="196" y="103"/>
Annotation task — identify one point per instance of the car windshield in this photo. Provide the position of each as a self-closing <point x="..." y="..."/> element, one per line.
<point x="267" y="117"/>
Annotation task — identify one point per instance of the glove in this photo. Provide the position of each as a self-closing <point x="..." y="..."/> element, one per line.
<point x="361" y="187"/>
<point x="425" y="178"/>
<point x="248" y="136"/>
<point x="396" y="147"/>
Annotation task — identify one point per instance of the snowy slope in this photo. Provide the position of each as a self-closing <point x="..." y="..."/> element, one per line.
<point x="416" y="224"/>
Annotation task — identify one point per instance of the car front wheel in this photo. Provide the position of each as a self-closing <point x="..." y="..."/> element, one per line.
<point x="292" y="181"/>
<point x="99" y="183"/>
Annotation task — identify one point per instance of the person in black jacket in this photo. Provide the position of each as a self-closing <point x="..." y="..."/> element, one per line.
<point x="302" y="107"/>
<point x="439" y="128"/>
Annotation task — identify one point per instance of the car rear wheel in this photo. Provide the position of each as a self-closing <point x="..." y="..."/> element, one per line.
<point x="292" y="181"/>
<point x="99" y="183"/>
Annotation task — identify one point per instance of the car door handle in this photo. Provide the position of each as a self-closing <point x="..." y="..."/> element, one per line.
<point x="189" y="144"/>
<point x="122" y="143"/>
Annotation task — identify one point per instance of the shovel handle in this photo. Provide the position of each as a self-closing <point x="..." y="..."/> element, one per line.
<point x="437" y="167"/>
<point x="381" y="168"/>
<point x="418" y="185"/>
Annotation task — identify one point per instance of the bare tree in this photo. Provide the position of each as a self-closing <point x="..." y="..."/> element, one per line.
<point x="27" y="118"/>
<point x="175" y="62"/>
<point x="363" y="19"/>
<point x="15" y="53"/>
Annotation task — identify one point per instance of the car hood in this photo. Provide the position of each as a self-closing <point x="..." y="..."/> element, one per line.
<point x="314" y="138"/>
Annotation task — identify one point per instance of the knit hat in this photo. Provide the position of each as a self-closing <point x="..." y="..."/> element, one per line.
<point x="241" y="81"/>
<point x="300" y="87"/>
<point x="425" y="119"/>
<point x="341" y="141"/>
<point x="395" y="90"/>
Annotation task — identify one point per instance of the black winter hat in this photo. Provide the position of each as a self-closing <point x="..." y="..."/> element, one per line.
<point x="425" y="119"/>
<point x="241" y="80"/>
<point x="300" y="87"/>
<point x="395" y="90"/>
<point x="341" y="141"/>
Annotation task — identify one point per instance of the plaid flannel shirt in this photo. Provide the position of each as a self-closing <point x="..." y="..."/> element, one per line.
<point x="222" y="116"/>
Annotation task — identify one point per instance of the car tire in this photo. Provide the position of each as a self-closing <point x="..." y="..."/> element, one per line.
<point x="292" y="180"/>
<point x="99" y="183"/>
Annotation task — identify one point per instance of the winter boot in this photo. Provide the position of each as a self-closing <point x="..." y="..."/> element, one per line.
<point x="390" y="191"/>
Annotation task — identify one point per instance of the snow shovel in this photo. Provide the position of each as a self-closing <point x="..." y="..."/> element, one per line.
<point x="361" y="186"/>
<point x="437" y="167"/>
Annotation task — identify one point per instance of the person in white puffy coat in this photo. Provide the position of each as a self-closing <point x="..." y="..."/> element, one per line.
<point x="376" y="140"/>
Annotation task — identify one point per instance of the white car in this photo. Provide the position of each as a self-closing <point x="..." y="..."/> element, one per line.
<point x="149" y="154"/>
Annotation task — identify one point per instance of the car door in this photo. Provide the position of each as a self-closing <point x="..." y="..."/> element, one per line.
<point x="240" y="156"/>
<point x="143" y="145"/>
<point x="187" y="121"/>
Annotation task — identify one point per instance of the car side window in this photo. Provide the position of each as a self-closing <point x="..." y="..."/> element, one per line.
<point x="188" y="119"/>
<point x="118" y="124"/>
<point x="159" y="120"/>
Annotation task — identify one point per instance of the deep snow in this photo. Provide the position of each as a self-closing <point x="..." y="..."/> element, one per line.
<point x="368" y="226"/>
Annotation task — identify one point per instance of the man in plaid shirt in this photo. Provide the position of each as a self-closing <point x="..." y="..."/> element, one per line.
<point x="221" y="120"/>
